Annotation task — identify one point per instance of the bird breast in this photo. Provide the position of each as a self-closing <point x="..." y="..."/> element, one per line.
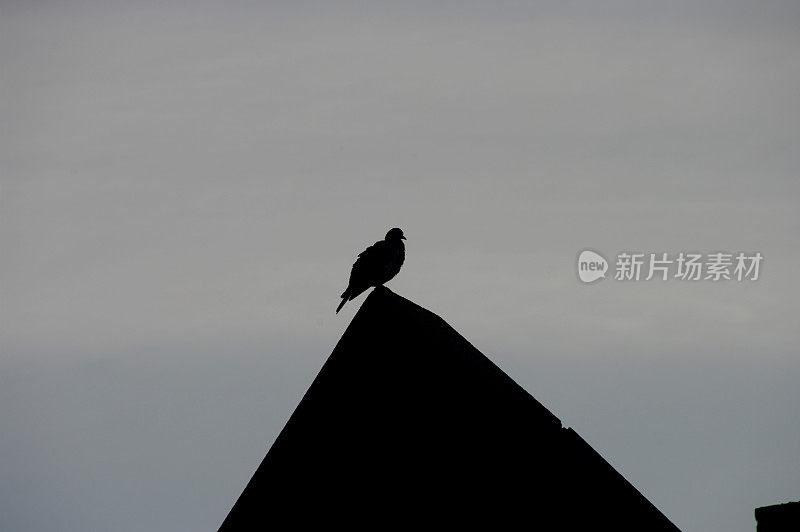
<point x="396" y="258"/>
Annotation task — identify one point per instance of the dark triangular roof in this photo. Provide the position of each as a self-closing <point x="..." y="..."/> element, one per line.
<point x="408" y="422"/>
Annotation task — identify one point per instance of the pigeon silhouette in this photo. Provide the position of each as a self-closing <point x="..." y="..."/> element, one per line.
<point x="375" y="265"/>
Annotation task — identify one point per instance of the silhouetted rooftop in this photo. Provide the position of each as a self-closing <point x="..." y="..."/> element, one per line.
<point x="407" y="422"/>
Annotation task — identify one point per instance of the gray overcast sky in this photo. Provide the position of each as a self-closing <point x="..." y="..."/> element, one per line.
<point x="185" y="186"/>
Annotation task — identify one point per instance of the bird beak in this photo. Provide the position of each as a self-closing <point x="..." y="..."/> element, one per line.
<point x="402" y="238"/>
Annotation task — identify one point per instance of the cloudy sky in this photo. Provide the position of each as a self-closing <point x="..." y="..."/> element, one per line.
<point x="185" y="186"/>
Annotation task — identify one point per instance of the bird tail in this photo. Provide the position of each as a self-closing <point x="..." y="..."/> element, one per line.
<point x="345" y="296"/>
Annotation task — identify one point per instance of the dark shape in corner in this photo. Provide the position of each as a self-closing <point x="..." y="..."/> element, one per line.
<point x="407" y="423"/>
<point x="778" y="517"/>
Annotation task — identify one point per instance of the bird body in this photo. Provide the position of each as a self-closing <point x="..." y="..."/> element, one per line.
<point x="375" y="265"/>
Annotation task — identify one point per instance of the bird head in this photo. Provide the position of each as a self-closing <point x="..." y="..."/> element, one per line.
<point x="395" y="234"/>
